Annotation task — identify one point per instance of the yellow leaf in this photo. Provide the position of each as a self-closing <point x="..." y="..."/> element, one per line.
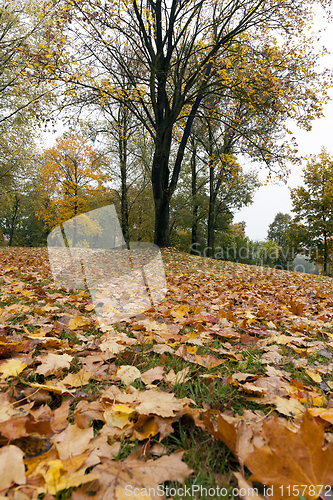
<point x="127" y="374"/>
<point x="77" y="379"/>
<point x="313" y="400"/>
<point x="57" y="480"/>
<point x="315" y="376"/>
<point x="325" y="414"/>
<point x="12" y="368"/>
<point x="180" y="312"/>
<point x="75" y="323"/>
<point x="191" y="349"/>
<point x="289" y="407"/>
<point x="118" y="416"/>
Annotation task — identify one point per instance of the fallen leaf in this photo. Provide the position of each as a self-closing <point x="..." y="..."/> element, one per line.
<point x="51" y="364"/>
<point x="72" y="441"/>
<point x="127" y="374"/>
<point x="118" y="479"/>
<point x="179" y="377"/>
<point x="112" y="346"/>
<point x="292" y="458"/>
<point x="315" y="376"/>
<point x="11" y="466"/>
<point x="77" y="322"/>
<point x="56" y="478"/>
<point x="118" y="416"/>
<point x="149" y="376"/>
<point x="12" y="368"/>
<point x="208" y="360"/>
<point x="325" y="414"/>
<point x="78" y="379"/>
<point x="289" y="407"/>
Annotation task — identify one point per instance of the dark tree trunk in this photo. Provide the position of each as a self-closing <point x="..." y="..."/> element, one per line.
<point x="212" y="198"/>
<point x="325" y="253"/>
<point x="211" y="215"/>
<point x="13" y="219"/>
<point x="195" y="206"/>
<point x="123" y="173"/>
<point x="161" y="191"/>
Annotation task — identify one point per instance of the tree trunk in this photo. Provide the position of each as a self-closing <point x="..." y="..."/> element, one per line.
<point x="195" y="206"/>
<point x="211" y="216"/>
<point x="124" y="190"/>
<point x="161" y="192"/>
<point x="14" y="219"/>
<point x="212" y="199"/>
<point x="162" y="234"/>
<point x="325" y="253"/>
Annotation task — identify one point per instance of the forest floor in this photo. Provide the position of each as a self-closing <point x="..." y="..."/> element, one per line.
<point x="226" y="385"/>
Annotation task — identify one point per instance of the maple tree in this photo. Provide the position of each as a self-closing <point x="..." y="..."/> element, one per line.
<point x="72" y="180"/>
<point x="313" y="221"/>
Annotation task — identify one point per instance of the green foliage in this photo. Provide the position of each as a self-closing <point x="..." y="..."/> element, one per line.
<point x="280" y="232"/>
<point x="18" y="220"/>
<point x="312" y="229"/>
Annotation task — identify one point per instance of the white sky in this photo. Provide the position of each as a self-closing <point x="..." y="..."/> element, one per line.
<point x="271" y="199"/>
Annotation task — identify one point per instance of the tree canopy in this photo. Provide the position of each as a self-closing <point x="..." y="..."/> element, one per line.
<point x="313" y="208"/>
<point x="172" y="55"/>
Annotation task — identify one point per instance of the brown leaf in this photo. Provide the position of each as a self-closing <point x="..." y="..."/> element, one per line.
<point x="53" y="363"/>
<point x="209" y="360"/>
<point x="292" y="458"/>
<point x="11" y="466"/>
<point x="118" y="479"/>
<point x="72" y="441"/>
<point x="149" y="376"/>
<point x="60" y="416"/>
<point x="247" y="487"/>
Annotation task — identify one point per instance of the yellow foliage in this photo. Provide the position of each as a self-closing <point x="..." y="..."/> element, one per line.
<point x="73" y="179"/>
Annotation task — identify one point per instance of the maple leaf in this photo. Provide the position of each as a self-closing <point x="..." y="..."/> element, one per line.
<point x="57" y="477"/>
<point x="112" y="346"/>
<point x="11" y="466"/>
<point x="118" y="479"/>
<point x="163" y="404"/>
<point x="78" y="379"/>
<point x="149" y="376"/>
<point x="292" y="458"/>
<point x="118" y="416"/>
<point x="179" y="377"/>
<point x="53" y="363"/>
<point x="209" y="360"/>
<point x="72" y="441"/>
<point x="77" y="322"/>
<point x="127" y="374"/>
<point x="324" y="413"/>
<point x="12" y="368"/>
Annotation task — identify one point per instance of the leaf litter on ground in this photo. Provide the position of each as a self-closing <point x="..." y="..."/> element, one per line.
<point x="236" y="356"/>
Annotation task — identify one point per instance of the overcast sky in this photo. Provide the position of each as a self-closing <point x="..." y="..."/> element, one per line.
<point x="271" y="199"/>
